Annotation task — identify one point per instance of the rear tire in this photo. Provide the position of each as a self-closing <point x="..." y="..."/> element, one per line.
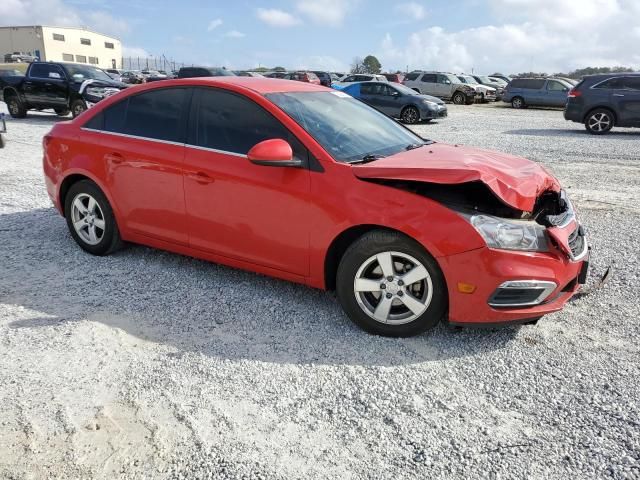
<point x="599" y="121"/>
<point x="517" y="102"/>
<point x="16" y="107"/>
<point x="410" y="115"/>
<point x="77" y="107"/>
<point x="90" y="219"/>
<point x="404" y="306"/>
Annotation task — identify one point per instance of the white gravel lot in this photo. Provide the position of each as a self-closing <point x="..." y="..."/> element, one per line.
<point x="147" y="364"/>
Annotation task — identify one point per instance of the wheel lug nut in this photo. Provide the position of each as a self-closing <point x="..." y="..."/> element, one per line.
<point x="400" y="283"/>
<point x="383" y="286"/>
<point x="390" y="279"/>
<point x="400" y="294"/>
<point x="389" y="295"/>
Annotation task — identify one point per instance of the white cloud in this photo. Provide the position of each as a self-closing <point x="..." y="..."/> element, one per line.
<point x="542" y="35"/>
<point x="56" y="12"/>
<point x="412" y="9"/>
<point x="326" y="12"/>
<point x="276" y="18"/>
<point x="234" y="34"/>
<point x="213" y="24"/>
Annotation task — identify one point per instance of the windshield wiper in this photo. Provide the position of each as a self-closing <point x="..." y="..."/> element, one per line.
<point x="413" y="146"/>
<point x="367" y="158"/>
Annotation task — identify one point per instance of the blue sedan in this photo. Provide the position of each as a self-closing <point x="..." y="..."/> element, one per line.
<point x="398" y="101"/>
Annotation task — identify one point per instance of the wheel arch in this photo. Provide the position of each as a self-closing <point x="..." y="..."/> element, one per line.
<point x="601" y="107"/>
<point x="76" y="176"/>
<point x="341" y="243"/>
<point x="9" y="91"/>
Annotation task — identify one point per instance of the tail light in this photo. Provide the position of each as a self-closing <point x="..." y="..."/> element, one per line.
<point x="573" y="93"/>
<point x="46" y="140"/>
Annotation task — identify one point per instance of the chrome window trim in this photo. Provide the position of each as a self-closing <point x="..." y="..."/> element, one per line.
<point x="126" y="135"/>
<point x="215" y="150"/>
<point x="548" y="286"/>
<point x="179" y="144"/>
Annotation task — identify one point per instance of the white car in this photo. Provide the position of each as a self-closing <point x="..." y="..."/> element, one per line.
<point x="359" y="77"/>
<point x="484" y="93"/>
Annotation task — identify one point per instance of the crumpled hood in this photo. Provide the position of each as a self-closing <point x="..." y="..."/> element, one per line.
<point x="516" y="181"/>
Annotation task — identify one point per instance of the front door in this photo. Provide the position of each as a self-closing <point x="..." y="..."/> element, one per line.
<point x="555" y="94"/>
<point x="249" y="212"/>
<point x="46" y="85"/>
<point x="627" y="101"/>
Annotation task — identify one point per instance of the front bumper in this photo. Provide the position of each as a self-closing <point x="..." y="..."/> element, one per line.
<point x="432" y="113"/>
<point x="488" y="269"/>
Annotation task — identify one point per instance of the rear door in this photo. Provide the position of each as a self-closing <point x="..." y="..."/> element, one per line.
<point x="627" y="101"/>
<point x="141" y="144"/>
<point x="46" y="85"/>
<point x="235" y="208"/>
<point x="444" y="86"/>
<point x="429" y="84"/>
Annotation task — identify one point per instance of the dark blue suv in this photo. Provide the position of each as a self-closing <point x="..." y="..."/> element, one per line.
<point x="604" y="101"/>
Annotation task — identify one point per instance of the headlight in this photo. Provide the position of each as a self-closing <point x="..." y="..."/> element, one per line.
<point x="510" y="234"/>
<point x="430" y="103"/>
<point x="101" y="92"/>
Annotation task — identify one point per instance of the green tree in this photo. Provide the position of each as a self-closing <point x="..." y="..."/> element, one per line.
<point x="357" y="65"/>
<point x="279" y="69"/>
<point x="371" y="64"/>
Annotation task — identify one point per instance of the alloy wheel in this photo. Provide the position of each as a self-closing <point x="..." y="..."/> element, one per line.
<point x="393" y="288"/>
<point x="458" y="99"/>
<point x="599" y="122"/>
<point x="87" y="218"/>
<point x="410" y="115"/>
<point x="14" y="108"/>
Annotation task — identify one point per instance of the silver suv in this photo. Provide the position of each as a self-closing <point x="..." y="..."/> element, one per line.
<point x="443" y="85"/>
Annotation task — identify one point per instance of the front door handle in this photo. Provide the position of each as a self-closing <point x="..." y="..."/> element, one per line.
<point x="201" y="177"/>
<point x="114" y="157"/>
<point x="618" y="95"/>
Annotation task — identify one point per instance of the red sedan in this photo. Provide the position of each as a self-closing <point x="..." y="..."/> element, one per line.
<point x="307" y="184"/>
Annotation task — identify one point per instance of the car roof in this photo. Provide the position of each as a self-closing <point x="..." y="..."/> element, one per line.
<point x="259" y="85"/>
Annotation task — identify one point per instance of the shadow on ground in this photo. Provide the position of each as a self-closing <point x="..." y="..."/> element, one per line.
<point x="196" y="306"/>
<point x="552" y="132"/>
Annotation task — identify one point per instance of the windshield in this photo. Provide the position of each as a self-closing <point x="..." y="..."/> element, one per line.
<point x="485" y="79"/>
<point x="468" y="79"/>
<point x="404" y="89"/>
<point x="345" y="127"/>
<point x="86" y="73"/>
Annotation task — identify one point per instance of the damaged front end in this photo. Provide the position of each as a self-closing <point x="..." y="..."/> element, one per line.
<point x="92" y="91"/>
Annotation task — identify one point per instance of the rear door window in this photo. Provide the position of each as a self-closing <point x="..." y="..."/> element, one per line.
<point x="46" y="71"/>
<point x="429" y="78"/>
<point x="611" y="84"/>
<point x="632" y="83"/>
<point x="158" y="114"/>
<point x="412" y="76"/>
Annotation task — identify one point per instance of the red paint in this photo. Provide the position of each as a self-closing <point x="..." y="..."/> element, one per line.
<point x="281" y="221"/>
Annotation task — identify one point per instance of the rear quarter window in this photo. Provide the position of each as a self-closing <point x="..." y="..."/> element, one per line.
<point x="412" y="76"/>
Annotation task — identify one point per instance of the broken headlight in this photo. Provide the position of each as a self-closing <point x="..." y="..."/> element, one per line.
<point x="510" y="234"/>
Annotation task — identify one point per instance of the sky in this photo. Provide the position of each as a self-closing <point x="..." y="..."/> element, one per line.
<point x="481" y="36"/>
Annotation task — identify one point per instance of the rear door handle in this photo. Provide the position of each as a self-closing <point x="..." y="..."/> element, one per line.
<point x="201" y="177"/>
<point x="618" y="95"/>
<point x="114" y="157"/>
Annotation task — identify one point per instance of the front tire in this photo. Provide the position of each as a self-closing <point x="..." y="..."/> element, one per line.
<point x="410" y="115"/>
<point x="599" y="122"/>
<point x="62" y="112"/>
<point x="16" y="107"/>
<point x="459" y="98"/>
<point x="77" y="107"/>
<point x="90" y="219"/>
<point x="389" y="285"/>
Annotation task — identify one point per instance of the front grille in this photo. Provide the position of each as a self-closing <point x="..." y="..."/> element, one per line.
<point x="576" y="242"/>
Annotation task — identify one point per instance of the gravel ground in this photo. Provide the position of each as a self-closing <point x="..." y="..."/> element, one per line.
<point x="147" y="364"/>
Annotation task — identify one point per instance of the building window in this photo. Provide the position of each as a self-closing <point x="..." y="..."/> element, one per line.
<point x="108" y="45"/>
<point x="67" y="57"/>
<point x="93" y="60"/>
<point x="59" y="37"/>
<point x="85" y="41"/>
<point x="81" y="59"/>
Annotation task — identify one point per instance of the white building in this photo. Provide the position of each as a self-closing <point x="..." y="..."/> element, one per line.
<point x="62" y="44"/>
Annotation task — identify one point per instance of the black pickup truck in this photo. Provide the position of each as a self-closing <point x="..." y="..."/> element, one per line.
<point x="64" y="87"/>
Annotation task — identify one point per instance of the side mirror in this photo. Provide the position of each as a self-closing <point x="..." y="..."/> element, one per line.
<point x="395" y="93"/>
<point x="273" y="153"/>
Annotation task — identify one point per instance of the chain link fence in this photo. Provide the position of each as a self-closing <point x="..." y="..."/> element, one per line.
<point x="151" y="63"/>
